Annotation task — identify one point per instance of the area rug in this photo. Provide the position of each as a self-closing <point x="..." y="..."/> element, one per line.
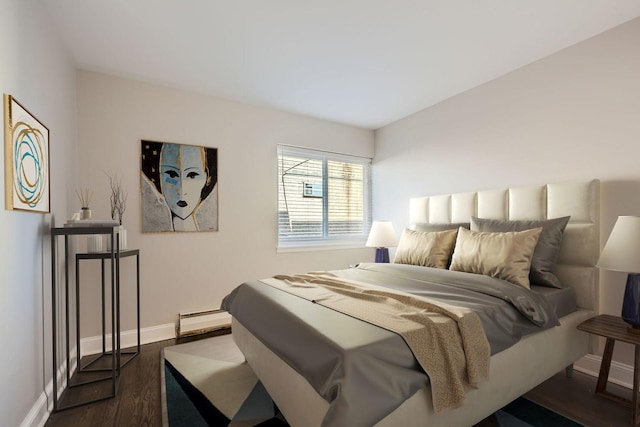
<point x="208" y="383"/>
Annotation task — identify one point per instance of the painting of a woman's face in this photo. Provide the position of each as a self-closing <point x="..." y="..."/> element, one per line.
<point x="182" y="177"/>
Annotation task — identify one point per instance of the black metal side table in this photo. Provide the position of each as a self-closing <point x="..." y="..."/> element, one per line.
<point x="125" y="356"/>
<point x="102" y="387"/>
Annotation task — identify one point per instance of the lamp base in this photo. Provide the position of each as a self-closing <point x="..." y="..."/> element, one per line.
<point x="382" y="254"/>
<point x="631" y="303"/>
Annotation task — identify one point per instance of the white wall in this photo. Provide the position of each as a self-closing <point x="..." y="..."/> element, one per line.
<point x="572" y="115"/>
<point x="37" y="71"/>
<point x="188" y="271"/>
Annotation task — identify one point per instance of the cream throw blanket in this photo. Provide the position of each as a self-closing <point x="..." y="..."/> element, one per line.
<point x="448" y="341"/>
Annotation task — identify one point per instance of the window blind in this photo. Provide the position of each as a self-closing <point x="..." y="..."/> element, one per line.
<point x="323" y="197"/>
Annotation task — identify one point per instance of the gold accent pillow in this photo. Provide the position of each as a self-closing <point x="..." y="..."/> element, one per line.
<point x="428" y="249"/>
<point x="506" y="256"/>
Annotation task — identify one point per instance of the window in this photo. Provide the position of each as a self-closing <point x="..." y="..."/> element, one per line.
<point x="323" y="198"/>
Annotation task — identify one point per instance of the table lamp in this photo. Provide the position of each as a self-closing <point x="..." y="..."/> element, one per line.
<point x="622" y="253"/>
<point x="382" y="236"/>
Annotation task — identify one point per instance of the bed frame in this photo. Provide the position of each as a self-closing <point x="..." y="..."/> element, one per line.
<point x="514" y="371"/>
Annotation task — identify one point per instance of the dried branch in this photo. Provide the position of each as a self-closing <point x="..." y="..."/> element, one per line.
<point x="118" y="198"/>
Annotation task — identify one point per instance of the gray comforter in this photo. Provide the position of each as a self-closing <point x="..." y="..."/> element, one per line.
<point x="363" y="371"/>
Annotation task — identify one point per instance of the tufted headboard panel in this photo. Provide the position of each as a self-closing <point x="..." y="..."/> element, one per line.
<point x="578" y="199"/>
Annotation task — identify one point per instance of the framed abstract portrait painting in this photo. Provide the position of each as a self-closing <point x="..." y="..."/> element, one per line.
<point x="26" y="157"/>
<point x="178" y="187"/>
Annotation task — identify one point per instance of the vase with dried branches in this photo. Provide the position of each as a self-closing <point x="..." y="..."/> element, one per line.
<point x="118" y="200"/>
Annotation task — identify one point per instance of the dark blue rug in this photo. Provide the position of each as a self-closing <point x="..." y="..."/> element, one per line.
<point x="187" y="406"/>
<point x="201" y="390"/>
<point x="524" y="413"/>
<point x="208" y="383"/>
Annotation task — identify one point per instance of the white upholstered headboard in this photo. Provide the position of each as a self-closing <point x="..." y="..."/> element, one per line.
<point x="578" y="199"/>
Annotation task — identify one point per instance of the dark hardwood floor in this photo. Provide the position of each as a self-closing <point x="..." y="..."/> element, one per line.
<point x="574" y="398"/>
<point x="138" y="400"/>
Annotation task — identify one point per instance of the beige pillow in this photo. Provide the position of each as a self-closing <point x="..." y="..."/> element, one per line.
<point x="506" y="256"/>
<point x="428" y="249"/>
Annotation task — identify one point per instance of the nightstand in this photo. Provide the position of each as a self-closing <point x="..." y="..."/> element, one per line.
<point x="614" y="328"/>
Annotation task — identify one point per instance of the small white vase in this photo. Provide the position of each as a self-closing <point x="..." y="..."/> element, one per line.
<point x="123" y="239"/>
<point x="94" y="243"/>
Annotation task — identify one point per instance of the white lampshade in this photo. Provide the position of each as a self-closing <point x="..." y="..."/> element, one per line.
<point x="622" y="250"/>
<point x="382" y="235"/>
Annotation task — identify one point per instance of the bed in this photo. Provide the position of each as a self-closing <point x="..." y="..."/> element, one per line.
<point x="314" y="384"/>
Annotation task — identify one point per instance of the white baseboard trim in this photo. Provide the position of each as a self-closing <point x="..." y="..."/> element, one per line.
<point x="39" y="413"/>
<point x="619" y="373"/>
<point x="41" y="409"/>
<point x="93" y="345"/>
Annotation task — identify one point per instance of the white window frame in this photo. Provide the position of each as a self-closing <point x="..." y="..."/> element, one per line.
<point x="289" y="244"/>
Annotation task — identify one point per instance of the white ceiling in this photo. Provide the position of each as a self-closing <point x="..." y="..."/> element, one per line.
<point x="361" y="62"/>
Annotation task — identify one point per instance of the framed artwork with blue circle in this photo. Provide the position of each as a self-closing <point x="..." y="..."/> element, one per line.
<point x="27" y="177"/>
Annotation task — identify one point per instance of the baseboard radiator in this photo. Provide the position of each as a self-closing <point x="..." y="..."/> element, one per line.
<point x="201" y="322"/>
